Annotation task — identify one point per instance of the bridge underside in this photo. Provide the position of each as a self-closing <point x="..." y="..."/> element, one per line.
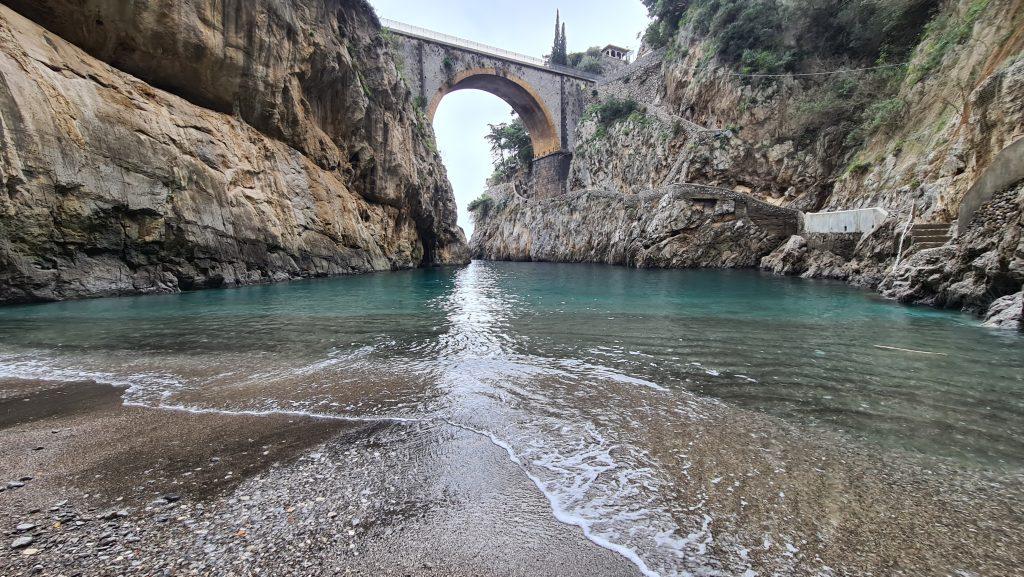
<point x="549" y="101"/>
<point x="528" y="104"/>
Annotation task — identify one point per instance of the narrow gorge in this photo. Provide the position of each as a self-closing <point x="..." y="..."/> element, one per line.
<point x="742" y="303"/>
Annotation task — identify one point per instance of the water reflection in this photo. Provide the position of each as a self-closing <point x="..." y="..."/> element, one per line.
<point x="635" y="400"/>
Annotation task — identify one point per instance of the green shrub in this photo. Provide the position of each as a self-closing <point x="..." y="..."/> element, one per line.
<point x="591" y="65"/>
<point x="611" y="111"/>
<point x="859" y="167"/>
<point x="590" y="61"/>
<point x="765" y="62"/>
<point x="884" y="114"/>
<point x="481" y="207"/>
<point x="943" y="34"/>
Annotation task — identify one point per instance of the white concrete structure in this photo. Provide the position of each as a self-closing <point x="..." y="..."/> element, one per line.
<point x="862" y="220"/>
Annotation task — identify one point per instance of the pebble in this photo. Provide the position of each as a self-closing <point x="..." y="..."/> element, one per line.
<point x="22" y="542"/>
<point x="22" y="527"/>
<point x="15" y="484"/>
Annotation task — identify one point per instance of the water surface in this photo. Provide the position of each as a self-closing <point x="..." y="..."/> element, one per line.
<point x="669" y="413"/>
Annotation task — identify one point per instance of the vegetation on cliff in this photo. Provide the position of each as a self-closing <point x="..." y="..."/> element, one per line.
<point x="608" y="113"/>
<point x="773" y="36"/>
<point x="849" y="59"/>
<point x="480" y="207"/>
<point x="511" y="149"/>
<point x="589" y="61"/>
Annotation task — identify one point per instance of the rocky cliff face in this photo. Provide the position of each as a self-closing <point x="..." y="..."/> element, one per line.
<point x="672" y="227"/>
<point x="911" y="137"/>
<point x="209" y="143"/>
<point x="985" y="263"/>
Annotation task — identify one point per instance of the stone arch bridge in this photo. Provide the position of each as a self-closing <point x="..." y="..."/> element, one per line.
<point x="549" y="99"/>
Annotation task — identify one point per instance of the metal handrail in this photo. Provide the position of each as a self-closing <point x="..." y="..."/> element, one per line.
<point x="425" y="34"/>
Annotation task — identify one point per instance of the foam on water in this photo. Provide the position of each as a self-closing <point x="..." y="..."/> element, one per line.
<point x="567" y="404"/>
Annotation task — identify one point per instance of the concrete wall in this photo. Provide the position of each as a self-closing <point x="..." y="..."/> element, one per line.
<point x="1006" y="170"/>
<point x="864" y="221"/>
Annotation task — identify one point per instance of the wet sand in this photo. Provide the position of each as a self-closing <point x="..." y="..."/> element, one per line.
<point x="112" y="490"/>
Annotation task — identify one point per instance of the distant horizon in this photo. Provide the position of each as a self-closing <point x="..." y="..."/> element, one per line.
<point x="526" y="27"/>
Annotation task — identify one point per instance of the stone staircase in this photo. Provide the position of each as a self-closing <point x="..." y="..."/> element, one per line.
<point x="925" y="236"/>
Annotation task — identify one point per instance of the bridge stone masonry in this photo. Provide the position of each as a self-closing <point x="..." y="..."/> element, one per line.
<point x="549" y="99"/>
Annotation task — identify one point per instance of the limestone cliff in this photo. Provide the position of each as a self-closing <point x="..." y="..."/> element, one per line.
<point x="985" y="263"/>
<point x="164" y="146"/>
<point x="673" y="227"/>
<point x="906" y="108"/>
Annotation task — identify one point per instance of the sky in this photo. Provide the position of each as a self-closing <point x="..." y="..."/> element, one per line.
<point x="524" y="26"/>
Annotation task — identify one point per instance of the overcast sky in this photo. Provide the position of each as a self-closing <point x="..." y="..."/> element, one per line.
<point x="524" y="26"/>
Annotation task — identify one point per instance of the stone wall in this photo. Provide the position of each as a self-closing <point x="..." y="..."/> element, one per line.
<point x="861" y="220"/>
<point x="549" y="175"/>
<point x="1006" y="170"/>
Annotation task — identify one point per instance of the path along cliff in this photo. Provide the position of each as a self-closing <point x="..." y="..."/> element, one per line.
<point x="163" y="146"/>
<point x="822" y="106"/>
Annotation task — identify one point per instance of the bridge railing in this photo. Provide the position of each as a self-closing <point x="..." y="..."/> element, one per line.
<point x="425" y="34"/>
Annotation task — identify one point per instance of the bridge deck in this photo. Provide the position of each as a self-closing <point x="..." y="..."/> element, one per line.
<point x="514" y="57"/>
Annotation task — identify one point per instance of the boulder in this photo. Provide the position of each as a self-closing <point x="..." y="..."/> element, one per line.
<point x="1006" y="312"/>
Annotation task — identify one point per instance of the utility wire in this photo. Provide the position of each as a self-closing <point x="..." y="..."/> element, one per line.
<point x="841" y="71"/>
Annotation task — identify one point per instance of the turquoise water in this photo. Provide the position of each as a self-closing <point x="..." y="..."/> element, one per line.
<point x="805" y="351"/>
<point x="626" y="395"/>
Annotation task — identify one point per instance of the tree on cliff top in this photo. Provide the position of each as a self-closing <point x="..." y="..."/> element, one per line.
<point x="559" y="50"/>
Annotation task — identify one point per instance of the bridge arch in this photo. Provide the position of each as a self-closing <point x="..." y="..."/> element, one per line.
<point x="523" y="98"/>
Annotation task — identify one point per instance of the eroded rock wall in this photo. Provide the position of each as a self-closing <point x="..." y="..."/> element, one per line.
<point x="207" y="143"/>
<point x="985" y="263"/>
<point x="673" y="227"/>
<point x="939" y="120"/>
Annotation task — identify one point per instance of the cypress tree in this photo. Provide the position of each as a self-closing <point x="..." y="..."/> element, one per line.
<point x="563" y="48"/>
<point x="559" y="54"/>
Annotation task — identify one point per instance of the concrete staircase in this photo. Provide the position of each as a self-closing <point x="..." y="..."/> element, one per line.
<point x="925" y="236"/>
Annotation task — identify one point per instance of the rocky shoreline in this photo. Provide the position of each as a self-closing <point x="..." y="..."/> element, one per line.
<point x="672" y="227"/>
<point x="695" y="121"/>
